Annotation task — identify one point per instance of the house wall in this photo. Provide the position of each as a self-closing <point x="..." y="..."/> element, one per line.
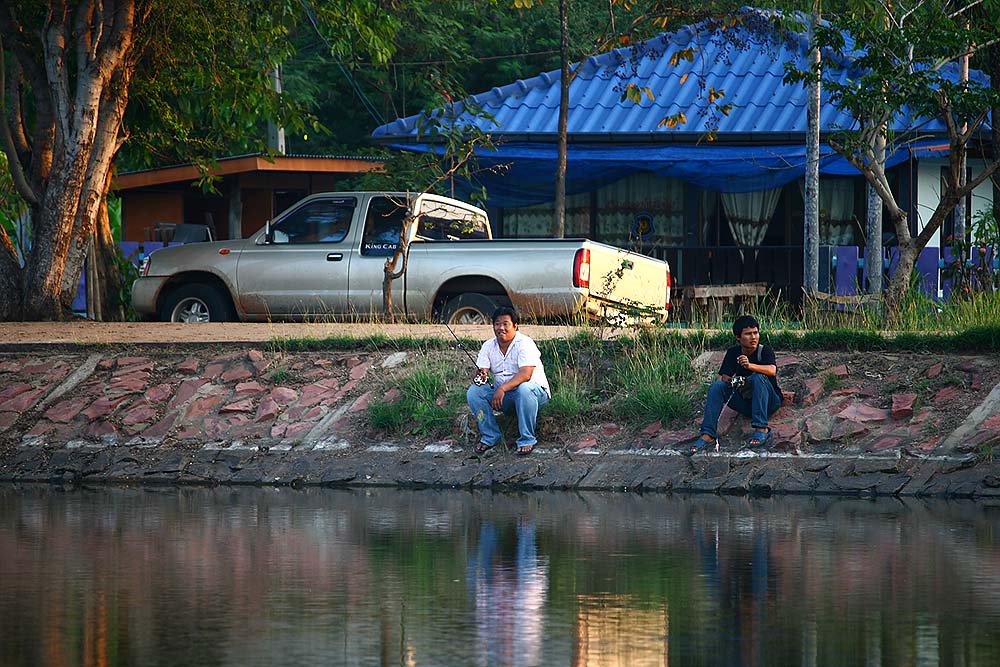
<point x="929" y="192"/>
<point x="141" y="210"/>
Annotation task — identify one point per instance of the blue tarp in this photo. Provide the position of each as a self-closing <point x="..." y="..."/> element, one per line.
<point x="528" y="177"/>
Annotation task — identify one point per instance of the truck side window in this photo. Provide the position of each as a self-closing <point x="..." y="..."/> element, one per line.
<point x="441" y="225"/>
<point x="383" y="225"/>
<point x="323" y="221"/>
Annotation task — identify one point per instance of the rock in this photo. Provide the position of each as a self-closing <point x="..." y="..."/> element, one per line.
<point x="267" y="410"/>
<point x="848" y="429"/>
<point x="189" y="366"/>
<point x="726" y="420"/>
<point x="255" y="356"/>
<point x="361" y="402"/>
<point x="213" y="370"/>
<point x="935" y="370"/>
<point x="138" y="415"/>
<point x="64" y="411"/>
<point x="861" y="412"/>
<point x="884" y="443"/>
<point x="245" y="405"/>
<point x="249" y="388"/>
<point x="23" y="401"/>
<point x="787" y="398"/>
<point x="158" y="393"/>
<point x="610" y="429"/>
<point x="103" y="406"/>
<point x="840" y="371"/>
<point x="819" y="427"/>
<point x="283" y="395"/>
<point x="237" y="373"/>
<point x="185" y="391"/>
<point x="588" y="441"/>
<point x="13" y="390"/>
<point x="202" y="407"/>
<point x="944" y="394"/>
<point x="902" y="406"/>
<point x="357" y="372"/>
<point x="652" y="429"/>
<point x="813" y="390"/>
<point x="975" y="381"/>
<point x="395" y="359"/>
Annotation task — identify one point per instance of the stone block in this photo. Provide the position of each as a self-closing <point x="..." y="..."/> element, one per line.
<point x="862" y="412"/>
<point x="935" y="370"/>
<point x="902" y="406"/>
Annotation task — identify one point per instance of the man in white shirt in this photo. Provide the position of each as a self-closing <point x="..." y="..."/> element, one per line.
<point x="519" y="382"/>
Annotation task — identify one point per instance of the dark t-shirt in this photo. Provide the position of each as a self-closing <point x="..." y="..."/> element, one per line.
<point x="763" y="356"/>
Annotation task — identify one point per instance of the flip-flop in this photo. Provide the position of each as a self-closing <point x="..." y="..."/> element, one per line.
<point x="701" y="445"/>
<point x="481" y="448"/>
<point x="759" y="438"/>
<point x="524" y="450"/>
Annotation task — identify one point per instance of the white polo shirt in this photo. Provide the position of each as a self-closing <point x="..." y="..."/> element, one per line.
<point x="522" y="352"/>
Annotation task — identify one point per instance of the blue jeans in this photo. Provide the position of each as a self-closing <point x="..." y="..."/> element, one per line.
<point x="762" y="404"/>
<point x="526" y="399"/>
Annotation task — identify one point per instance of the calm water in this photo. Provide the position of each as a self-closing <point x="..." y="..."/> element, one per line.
<point x="388" y="577"/>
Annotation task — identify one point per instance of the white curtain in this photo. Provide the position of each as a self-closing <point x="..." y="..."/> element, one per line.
<point x="641" y="211"/>
<point x="536" y="221"/>
<point x="836" y="210"/>
<point x="749" y="214"/>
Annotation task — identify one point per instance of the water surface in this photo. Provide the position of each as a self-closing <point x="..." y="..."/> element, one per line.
<point x="125" y="576"/>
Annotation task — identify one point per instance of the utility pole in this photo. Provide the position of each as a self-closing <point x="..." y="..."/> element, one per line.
<point x="810" y="264"/>
<point x="559" y="212"/>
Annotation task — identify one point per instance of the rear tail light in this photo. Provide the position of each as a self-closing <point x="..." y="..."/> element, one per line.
<point x="666" y="304"/>
<point x="144" y="266"/>
<point x="581" y="268"/>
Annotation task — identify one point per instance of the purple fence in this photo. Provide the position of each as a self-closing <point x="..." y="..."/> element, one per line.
<point x="135" y="251"/>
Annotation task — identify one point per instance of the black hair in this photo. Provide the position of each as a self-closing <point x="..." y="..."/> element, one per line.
<point x="743" y="322"/>
<point x="505" y="310"/>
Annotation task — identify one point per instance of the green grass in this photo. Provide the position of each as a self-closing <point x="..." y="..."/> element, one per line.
<point x="428" y="403"/>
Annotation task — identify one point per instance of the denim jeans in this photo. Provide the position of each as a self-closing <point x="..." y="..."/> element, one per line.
<point x="762" y="404"/>
<point x="525" y="399"/>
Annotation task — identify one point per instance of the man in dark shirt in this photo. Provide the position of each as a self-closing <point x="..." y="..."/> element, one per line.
<point x="758" y="398"/>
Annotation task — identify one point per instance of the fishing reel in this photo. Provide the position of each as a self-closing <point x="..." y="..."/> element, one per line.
<point x="479" y="380"/>
<point x="737" y="382"/>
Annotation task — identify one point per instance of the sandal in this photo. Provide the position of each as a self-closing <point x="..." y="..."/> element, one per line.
<point x="759" y="438"/>
<point x="700" y="445"/>
<point x="481" y="448"/>
<point x="524" y="450"/>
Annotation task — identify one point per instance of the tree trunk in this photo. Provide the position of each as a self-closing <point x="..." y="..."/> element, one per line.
<point x="10" y="282"/>
<point x="108" y="272"/>
<point x="899" y="281"/>
<point x="873" y="241"/>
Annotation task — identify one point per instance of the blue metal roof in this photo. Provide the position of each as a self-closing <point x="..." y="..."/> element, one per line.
<point x="765" y="108"/>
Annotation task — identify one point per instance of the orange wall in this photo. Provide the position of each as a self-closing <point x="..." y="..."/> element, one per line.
<point x="256" y="210"/>
<point x="140" y="210"/>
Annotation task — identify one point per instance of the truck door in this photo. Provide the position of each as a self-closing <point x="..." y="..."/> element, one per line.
<point x="303" y="269"/>
<point x="383" y="222"/>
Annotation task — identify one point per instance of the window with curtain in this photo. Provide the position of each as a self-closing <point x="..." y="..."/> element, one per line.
<point x="836" y="210"/>
<point x="641" y="211"/>
<point x="749" y="214"/>
<point x="536" y="221"/>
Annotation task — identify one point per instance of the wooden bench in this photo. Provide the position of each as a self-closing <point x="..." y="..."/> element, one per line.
<point x="711" y="301"/>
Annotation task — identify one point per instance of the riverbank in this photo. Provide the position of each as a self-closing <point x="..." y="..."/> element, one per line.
<point x="139" y="406"/>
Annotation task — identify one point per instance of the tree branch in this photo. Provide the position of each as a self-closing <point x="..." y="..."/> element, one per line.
<point x="13" y="159"/>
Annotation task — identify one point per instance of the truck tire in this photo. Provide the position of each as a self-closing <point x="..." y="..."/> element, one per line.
<point x="468" y="308"/>
<point x="197" y="302"/>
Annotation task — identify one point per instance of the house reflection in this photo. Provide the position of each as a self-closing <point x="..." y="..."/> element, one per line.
<point x="614" y="631"/>
<point x="509" y="595"/>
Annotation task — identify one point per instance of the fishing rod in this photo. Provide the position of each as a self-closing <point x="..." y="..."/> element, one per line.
<point x="478" y="380"/>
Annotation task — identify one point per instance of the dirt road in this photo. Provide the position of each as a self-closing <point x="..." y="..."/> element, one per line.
<point x="87" y="332"/>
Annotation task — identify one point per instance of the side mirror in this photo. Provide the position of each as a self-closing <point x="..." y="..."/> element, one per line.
<point x="268" y="234"/>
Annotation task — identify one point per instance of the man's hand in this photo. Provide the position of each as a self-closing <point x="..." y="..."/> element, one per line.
<point x="743" y="360"/>
<point x="497" y="402"/>
<point x="481" y="377"/>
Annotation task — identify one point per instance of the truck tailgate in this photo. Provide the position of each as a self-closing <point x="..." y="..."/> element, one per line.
<point x="622" y="277"/>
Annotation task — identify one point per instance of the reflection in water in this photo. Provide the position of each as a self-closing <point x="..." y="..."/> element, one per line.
<point x="380" y="577"/>
<point x="509" y="597"/>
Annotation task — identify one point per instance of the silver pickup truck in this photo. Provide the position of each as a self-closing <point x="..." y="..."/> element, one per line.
<point x="324" y="258"/>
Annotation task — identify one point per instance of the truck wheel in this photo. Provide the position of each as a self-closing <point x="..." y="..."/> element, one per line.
<point x="197" y="303"/>
<point x="468" y="308"/>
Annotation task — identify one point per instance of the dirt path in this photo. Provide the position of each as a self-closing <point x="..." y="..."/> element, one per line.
<point x="87" y="332"/>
